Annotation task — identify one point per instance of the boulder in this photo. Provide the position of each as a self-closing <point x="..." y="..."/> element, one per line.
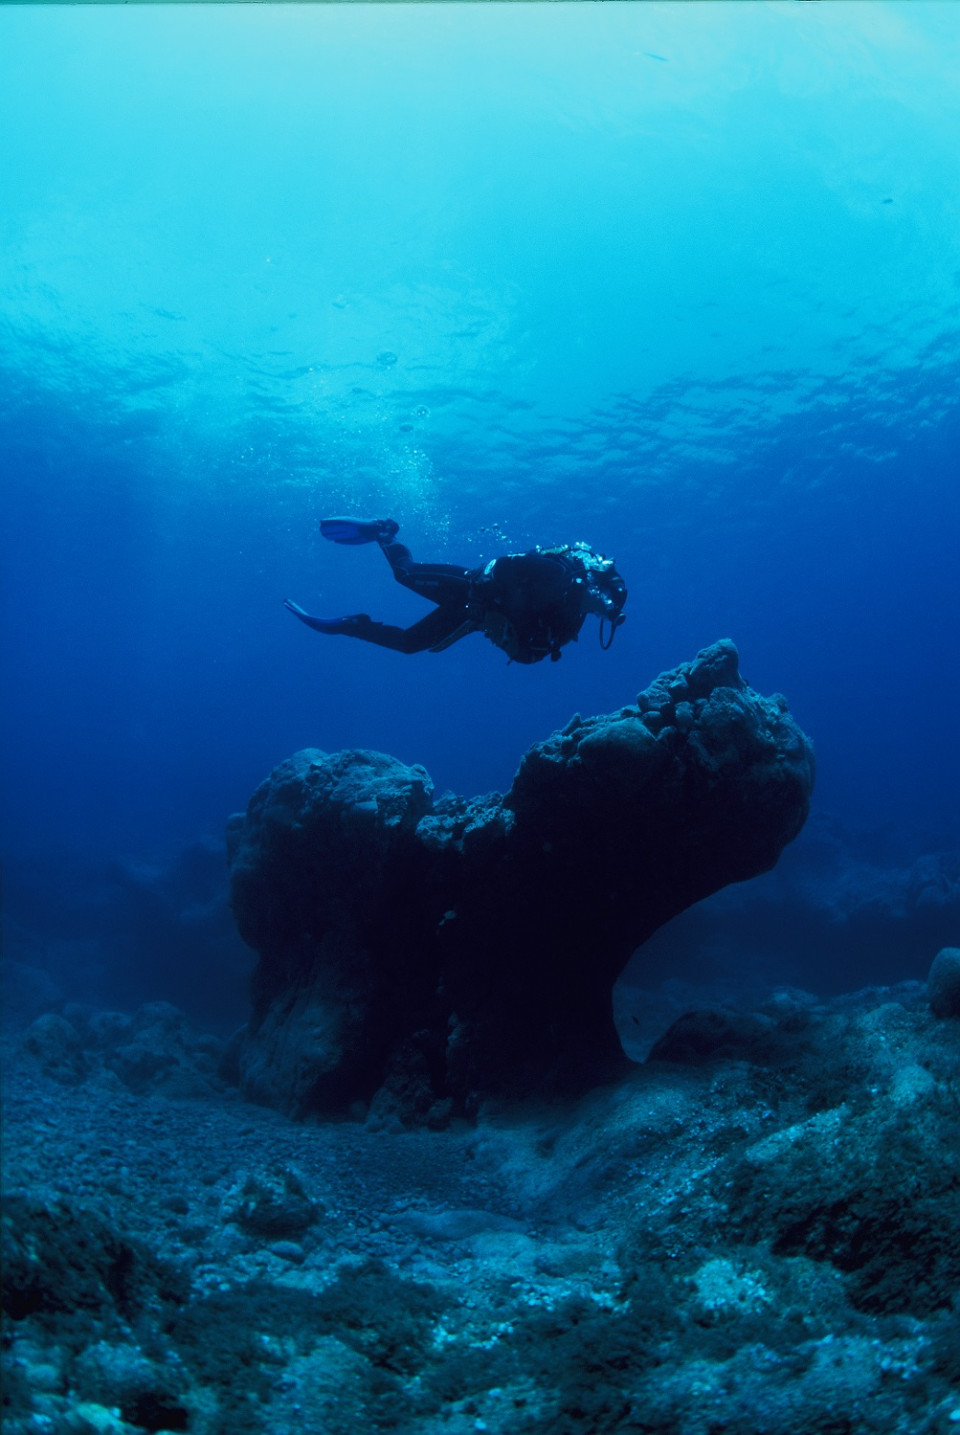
<point x="943" y="983"/>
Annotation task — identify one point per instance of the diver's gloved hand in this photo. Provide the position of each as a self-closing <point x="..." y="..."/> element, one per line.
<point x="353" y="531"/>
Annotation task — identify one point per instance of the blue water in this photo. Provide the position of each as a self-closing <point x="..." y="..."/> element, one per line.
<point x="682" y="281"/>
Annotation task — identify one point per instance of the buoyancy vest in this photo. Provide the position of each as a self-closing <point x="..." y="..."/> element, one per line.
<point x="530" y="604"/>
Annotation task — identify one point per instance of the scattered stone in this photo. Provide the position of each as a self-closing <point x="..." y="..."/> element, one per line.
<point x="289" y="1251"/>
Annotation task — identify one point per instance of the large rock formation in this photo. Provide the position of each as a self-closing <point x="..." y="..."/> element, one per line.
<point x="432" y="955"/>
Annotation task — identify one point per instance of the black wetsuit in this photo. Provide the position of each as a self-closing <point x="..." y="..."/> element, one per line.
<point x="528" y="604"/>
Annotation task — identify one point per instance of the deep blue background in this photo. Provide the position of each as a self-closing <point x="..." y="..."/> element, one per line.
<point x="679" y="280"/>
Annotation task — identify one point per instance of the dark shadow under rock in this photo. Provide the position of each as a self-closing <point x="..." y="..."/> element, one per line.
<point x="843" y="908"/>
<point x="486" y="935"/>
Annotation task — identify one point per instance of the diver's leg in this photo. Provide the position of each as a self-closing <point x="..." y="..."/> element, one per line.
<point x="445" y="583"/>
<point x="439" y="627"/>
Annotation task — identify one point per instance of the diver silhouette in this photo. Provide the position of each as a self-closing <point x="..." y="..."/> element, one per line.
<point x="529" y="604"/>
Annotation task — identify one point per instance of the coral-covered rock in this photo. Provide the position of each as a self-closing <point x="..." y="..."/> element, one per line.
<point x="486" y="935"/>
<point x="272" y="1203"/>
<point x="61" y="1256"/>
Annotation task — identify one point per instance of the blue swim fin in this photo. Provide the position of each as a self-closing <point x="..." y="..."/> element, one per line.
<point x="353" y="531"/>
<point x="353" y="626"/>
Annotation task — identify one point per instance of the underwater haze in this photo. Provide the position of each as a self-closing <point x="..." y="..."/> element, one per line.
<point x="608" y="1087"/>
<point x="681" y="281"/>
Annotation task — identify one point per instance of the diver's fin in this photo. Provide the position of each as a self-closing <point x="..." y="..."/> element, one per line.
<point x="354" y="531"/>
<point x="352" y="626"/>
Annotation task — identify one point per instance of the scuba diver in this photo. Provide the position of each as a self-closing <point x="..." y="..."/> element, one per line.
<point x="529" y="604"/>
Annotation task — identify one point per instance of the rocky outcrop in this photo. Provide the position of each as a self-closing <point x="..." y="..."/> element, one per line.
<point x="426" y="956"/>
<point x="152" y="1051"/>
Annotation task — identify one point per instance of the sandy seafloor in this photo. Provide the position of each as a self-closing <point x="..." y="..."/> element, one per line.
<point x="761" y="1239"/>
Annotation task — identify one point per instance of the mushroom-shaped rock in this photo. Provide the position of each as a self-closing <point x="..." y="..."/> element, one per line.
<point x="469" y="949"/>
